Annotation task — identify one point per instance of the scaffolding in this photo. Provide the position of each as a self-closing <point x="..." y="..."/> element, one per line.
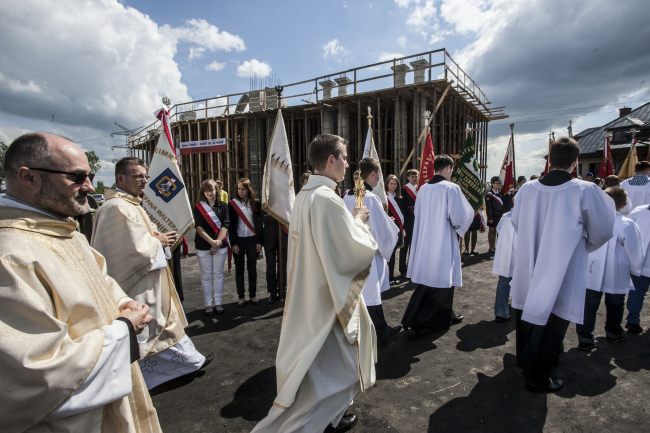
<point x="399" y="92"/>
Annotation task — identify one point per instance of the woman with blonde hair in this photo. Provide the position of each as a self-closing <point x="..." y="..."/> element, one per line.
<point x="246" y="237"/>
<point x="211" y="222"/>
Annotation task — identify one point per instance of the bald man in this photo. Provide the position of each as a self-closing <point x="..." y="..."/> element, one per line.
<point x="68" y="330"/>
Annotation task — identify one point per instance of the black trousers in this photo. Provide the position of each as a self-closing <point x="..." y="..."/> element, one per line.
<point x="404" y="251"/>
<point x="376" y="313"/>
<point x="391" y="262"/>
<point x="176" y="271"/>
<point x="273" y="267"/>
<point x="539" y="347"/>
<point x="429" y="309"/>
<point x="247" y="257"/>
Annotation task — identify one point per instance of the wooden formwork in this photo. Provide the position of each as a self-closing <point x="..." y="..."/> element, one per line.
<point x="398" y="118"/>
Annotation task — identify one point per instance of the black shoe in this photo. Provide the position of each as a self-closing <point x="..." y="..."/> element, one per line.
<point x="347" y="422"/>
<point x="455" y="320"/>
<point x="501" y="319"/>
<point x="208" y="359"/>
<point x="552" y="386"/>
<point x="633" y="329"/>
<point x="394" y="330"/>
<point x="465" y="253"/>
<point x="474" y="253"/>
<point x="614" y="340"/>
<point x="273" y="298"/>
<point x="587" y="346"/>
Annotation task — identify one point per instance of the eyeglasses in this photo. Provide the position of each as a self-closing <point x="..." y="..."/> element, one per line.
<point x="78" y="177"/>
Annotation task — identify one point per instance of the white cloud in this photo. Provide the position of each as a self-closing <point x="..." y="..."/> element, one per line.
<point x="195" y="53"/>
<point x="215" y="66"/>
<point x="404" y="3"/>
<point x="206" y="35"/>
<point x="389" y="56"/>
<point x="334" y="49"/>
<point x="254" y="68"/>
<point x="81" y="75"/>
<point x="401" y="41"/>
<point x="467" y="16"/>
<point x="422" y="16"/>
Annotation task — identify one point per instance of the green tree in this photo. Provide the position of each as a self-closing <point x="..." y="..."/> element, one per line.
<point x="99" y="189"/>
<point x="94" y="161"/>
<point x="3" y="149"/>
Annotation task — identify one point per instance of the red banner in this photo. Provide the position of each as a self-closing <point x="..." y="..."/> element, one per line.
<point x="426" y="164"/>
<point x="606" y="167"/>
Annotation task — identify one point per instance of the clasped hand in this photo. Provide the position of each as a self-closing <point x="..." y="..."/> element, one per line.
<point x="137" y="313"/>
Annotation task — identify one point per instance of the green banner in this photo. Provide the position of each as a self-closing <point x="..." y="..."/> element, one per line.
<point x="467" y="175"/>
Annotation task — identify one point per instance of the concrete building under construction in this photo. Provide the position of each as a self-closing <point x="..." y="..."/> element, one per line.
<point x="400" y="93"/>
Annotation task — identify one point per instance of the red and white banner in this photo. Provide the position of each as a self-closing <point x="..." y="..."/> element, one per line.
<point x="203" y="146"/>
<point x="508" y="168"/>
<point x="426" y="163"/>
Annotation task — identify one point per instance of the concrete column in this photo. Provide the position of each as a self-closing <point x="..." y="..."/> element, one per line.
<point x="271" y="98"/>
<point x="327" y="86"/>
<point x="344" y="121"/>
<point x="327" y="122"/>
<point x="419" y="70"/>
<point x="399" y="72"/>
<point x="343" y="85"/>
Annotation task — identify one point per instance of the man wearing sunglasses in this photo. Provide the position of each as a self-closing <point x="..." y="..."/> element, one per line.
<point x="134" y="253"/>
<point x="68" y="330"/>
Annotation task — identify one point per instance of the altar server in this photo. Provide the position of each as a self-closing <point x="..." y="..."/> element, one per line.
<point x="385" y="233"/>
<point x="638" y="186"/>
<point x="442" y="213"/>
<point x="641" y="216"/>
<point x="608" y="271"/>
<point x="502" y="267"/>
<point x="558" y="220"/>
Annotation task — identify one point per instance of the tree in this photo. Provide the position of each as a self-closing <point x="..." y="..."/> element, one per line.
<point x="94" y="161"/>
<point x="3" y="149"/>
<point x="99" y="189"/>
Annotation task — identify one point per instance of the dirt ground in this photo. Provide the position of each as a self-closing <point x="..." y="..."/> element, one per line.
<point x="463" y="381"/>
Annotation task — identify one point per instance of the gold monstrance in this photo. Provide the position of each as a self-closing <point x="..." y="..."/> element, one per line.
<point x="359" y="192"/>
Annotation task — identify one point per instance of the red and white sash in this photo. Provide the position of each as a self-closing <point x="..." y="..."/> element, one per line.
<point x="396" y="213"/>
<point x="495" y="197"/>
<point x="410" y="192"/>
<point x="242" y="215"/>
<point x="210" y="217"/>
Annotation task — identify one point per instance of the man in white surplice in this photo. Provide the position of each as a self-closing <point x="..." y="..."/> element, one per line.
<point x="558" y="220"/>
<point x="327" y="348"/>
<point x="442" y="213"/>
<point x="385" y="232"/>
<point x="638" y="186"/>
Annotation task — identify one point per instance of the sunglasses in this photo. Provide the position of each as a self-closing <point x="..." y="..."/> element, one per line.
<point x="78" y="177"/>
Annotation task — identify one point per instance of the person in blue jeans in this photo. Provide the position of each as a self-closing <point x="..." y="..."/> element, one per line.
<point x="503" y="266"/>
<point x="640" y="215"/>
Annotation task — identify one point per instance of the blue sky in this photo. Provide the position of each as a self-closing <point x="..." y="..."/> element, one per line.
<point x="77" y="66"/>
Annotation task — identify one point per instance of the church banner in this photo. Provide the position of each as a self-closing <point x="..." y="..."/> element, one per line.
<point x="165" y="198"/>
<point x="426" y="164"/>
<point x="278" y="192"/>
<point x="467" y="175"/>
<point x="370" y="151"/>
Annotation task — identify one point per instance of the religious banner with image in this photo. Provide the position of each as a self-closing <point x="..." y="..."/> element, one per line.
<point x="467" y="174"/>
<point x="165" y="199"/>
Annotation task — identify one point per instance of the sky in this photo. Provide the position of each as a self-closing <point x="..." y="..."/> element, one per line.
<point x="76" y="67"/>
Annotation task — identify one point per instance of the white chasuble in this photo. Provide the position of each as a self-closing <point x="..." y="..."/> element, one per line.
<point x="385" y="233"/>
<point x="123" y="233"/>
<point x="327" y="347"/>
<point x="641" y="216"/>
<point x="57" y="308"/>
<point x="610" y="266"/>
<point x="442" y="213"/>
<point x="503" y="257"/>
<point x="556" y="227"/>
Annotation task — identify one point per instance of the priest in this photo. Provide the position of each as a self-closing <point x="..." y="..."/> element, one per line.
<point x="327" y="348"/>
<point x="558" y="221"/>
<point x="134" y="253"/>
<point x="68" y="331"/>
<point x="442" y="213"/>
<point x="385" y="233"/>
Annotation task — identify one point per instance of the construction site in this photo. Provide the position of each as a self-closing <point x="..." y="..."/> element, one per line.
<point x="402" y="95"/>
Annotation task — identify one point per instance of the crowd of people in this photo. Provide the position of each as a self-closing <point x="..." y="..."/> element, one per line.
<point x="90" y="328"/>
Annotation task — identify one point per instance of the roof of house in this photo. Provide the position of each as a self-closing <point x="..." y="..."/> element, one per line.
<point x="592" y="139"/>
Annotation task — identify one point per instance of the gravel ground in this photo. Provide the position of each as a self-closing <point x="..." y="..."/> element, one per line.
<point x="462" y="381"/>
